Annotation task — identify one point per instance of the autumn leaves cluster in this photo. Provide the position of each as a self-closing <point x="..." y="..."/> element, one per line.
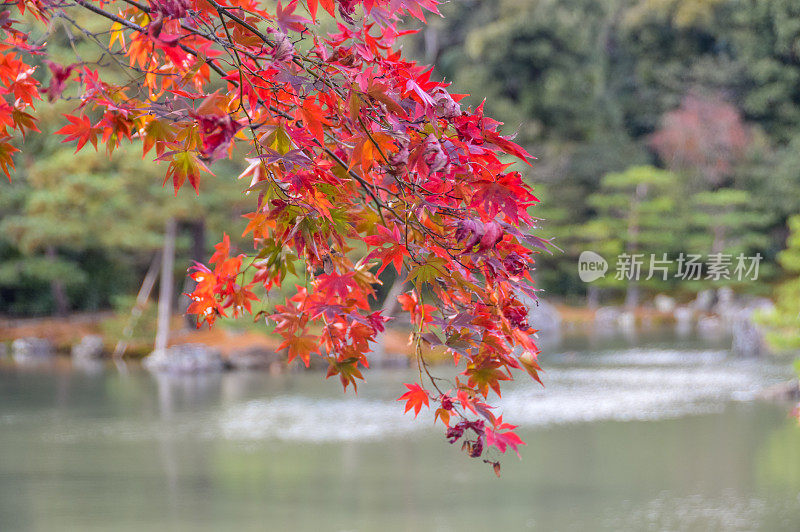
<point x="356" y="160"/>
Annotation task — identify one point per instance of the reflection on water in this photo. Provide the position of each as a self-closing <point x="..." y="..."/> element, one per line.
<point x="649" y="438"/>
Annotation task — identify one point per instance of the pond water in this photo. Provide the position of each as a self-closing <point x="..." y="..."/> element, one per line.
<point x="660" y="436"/>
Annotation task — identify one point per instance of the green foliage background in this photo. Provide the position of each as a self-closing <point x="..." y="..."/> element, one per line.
<point x="586" y="84"/>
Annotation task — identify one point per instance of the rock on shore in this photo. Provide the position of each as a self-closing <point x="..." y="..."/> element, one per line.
<point x="31" y="350"/>
<point x="185" y="358"/>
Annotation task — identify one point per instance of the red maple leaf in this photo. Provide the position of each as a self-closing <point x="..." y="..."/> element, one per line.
<point x="60" y="74"/>
<point x="286" y="18"/>
<point x="502" y="440"/>
<point x="396" y="251"/>
<point x="508" y="194"/>
<point x="80" y="129"/>
<point x="333" y="283"/>
<point x="415" y="397"/>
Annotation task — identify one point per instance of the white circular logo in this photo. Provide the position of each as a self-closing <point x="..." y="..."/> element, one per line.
<point x="591" y="266"/>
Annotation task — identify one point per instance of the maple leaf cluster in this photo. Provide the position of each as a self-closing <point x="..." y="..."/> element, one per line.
<point x="357" y="160"/>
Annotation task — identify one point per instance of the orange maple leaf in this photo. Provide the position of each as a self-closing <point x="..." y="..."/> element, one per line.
<point x="301" y="346"/>
<point x="6" y="160"/>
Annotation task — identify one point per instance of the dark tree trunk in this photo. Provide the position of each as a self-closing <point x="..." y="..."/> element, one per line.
<point x="57" y="289"/>
<point x="198" y="232"/>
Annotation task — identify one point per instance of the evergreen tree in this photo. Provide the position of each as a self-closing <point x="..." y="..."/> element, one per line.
<point x="783" y="322"/>
<point x="724" y="220"/>
<point x="81" y="227"/>
<point x="635" y="224"/>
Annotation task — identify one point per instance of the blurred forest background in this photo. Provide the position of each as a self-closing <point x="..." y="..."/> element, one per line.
<point x="660" y="126"/>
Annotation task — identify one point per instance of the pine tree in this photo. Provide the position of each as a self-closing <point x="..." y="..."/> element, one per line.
<point x="85" y="225"/>
<point x="783" y="322"/>
<point x="634" y="219"/>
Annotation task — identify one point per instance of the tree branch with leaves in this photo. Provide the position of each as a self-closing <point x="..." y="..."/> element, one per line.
<point x="356" y="160"/>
